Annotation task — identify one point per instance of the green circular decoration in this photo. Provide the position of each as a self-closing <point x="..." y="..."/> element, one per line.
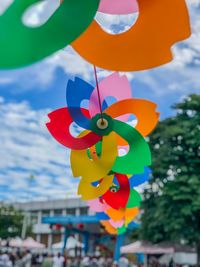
<point x="21" y="45"/>
<point x="102" y="124"/>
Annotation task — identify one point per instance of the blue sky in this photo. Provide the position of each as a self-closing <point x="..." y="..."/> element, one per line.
<point x="28" y="94"/>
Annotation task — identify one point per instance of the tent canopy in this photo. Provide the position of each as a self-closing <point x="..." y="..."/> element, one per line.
<point x="162" y="248"/>
<point x="146" y="248"/>
<point x="31" y="244"/>
<point x="72" y="243"/>
<point x="16" y="242"/>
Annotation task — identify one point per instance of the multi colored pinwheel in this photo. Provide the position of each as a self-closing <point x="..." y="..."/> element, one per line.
<point x="145" y="45"/>
<point x="95" y="155"/>
<point x="120" y="204"/>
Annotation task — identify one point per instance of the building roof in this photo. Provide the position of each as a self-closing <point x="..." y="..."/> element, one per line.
<point x="51" y="204"/>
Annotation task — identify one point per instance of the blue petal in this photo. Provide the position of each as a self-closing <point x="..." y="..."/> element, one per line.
<point x="76" y="92"/>
<point x="139" y="179"/>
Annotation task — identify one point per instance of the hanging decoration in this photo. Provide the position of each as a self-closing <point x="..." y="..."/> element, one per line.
<point x="95" y="155"/>
<point x="120" y="203"/>
<point x="145" y="45"/>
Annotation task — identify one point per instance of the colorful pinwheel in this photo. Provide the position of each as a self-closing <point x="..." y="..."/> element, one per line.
<point x="145" y="45"/>
<point x="120" y="204"/>
<point x="95" y="155"/>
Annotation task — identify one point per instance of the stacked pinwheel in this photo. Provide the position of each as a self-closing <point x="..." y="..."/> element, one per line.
<point x="110" y="155"/>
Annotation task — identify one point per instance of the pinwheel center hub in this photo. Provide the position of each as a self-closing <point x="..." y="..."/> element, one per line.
<point x="102" y="124"/>
<point x="114" y="189"/>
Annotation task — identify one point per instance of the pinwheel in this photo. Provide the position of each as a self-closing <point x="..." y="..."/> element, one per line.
<point x="123" y="212"/>
<point x="95" y="152"/>
<point x="103" y="128"/>
<point x="120" y="203"/>
<point x="145" y="45"/>
<point x="21" y="45"/>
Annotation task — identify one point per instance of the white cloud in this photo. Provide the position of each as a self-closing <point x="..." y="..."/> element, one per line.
<point x="4" y="5"/>
<point x="27" y="148"/>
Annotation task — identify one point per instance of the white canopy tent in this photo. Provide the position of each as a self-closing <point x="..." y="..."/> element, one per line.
<point x="72" y="243"/>
<point x="181" y="254"/>
<point x="180" y="258"/>
<point x="30" y="243"/>
<point x="16" y="242"/>
<point x="146" y="248"/>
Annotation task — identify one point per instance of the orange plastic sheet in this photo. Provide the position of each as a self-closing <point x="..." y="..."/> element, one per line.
<point x="88" y="191"/>
<point x="93" y="170"/>
<point x="130" y="214"/>
<point x="127" y="214"/>
<point x="145" y="45"/>
<point x="109" y="228"/>
<point x="115" y="215"/>
<point x="144" y="110"/>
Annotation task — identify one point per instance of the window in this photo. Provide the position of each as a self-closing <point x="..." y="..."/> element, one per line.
<point x="46" y="213"/>
<point x="84" y="211"/>
<point x="34" y="217"/>
<point x="58" y="212"/>
<point x="71" y="211"/>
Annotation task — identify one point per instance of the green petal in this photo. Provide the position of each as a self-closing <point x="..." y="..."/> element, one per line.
<point x="139" y="154"/>
<point x="134" y="199"/>
<point x="21" y="45"/>
<point x="122" y="230"/>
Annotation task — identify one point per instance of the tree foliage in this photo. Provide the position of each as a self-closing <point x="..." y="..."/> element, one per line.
<point x="171" y="207"/>
<point x="11" y="222"/>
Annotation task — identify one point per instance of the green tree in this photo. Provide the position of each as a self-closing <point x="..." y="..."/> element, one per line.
<point x="10" y="222"/>
<point x="171" y="207"/>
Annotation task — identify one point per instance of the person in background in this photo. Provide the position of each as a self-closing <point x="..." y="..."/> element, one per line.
<point x="102" y="261"/>
<point x="39" y="260"/>
<point x="109" y="261"/>
<point x="18" y="261"/>
<point x="5" y="260"/>
<point x="123" y="261"/>
<point x="86" y="261"/>
<point x="94" y="262"/>
<point x="48" y="261"/>
<point x="27" y="259"/>
<point x="171" y="263"/>
<point x="114" y="264"/>
<point x="58" y="261"/>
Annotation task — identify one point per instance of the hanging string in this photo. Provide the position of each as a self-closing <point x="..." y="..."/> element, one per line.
<point x="98" y="93"/>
